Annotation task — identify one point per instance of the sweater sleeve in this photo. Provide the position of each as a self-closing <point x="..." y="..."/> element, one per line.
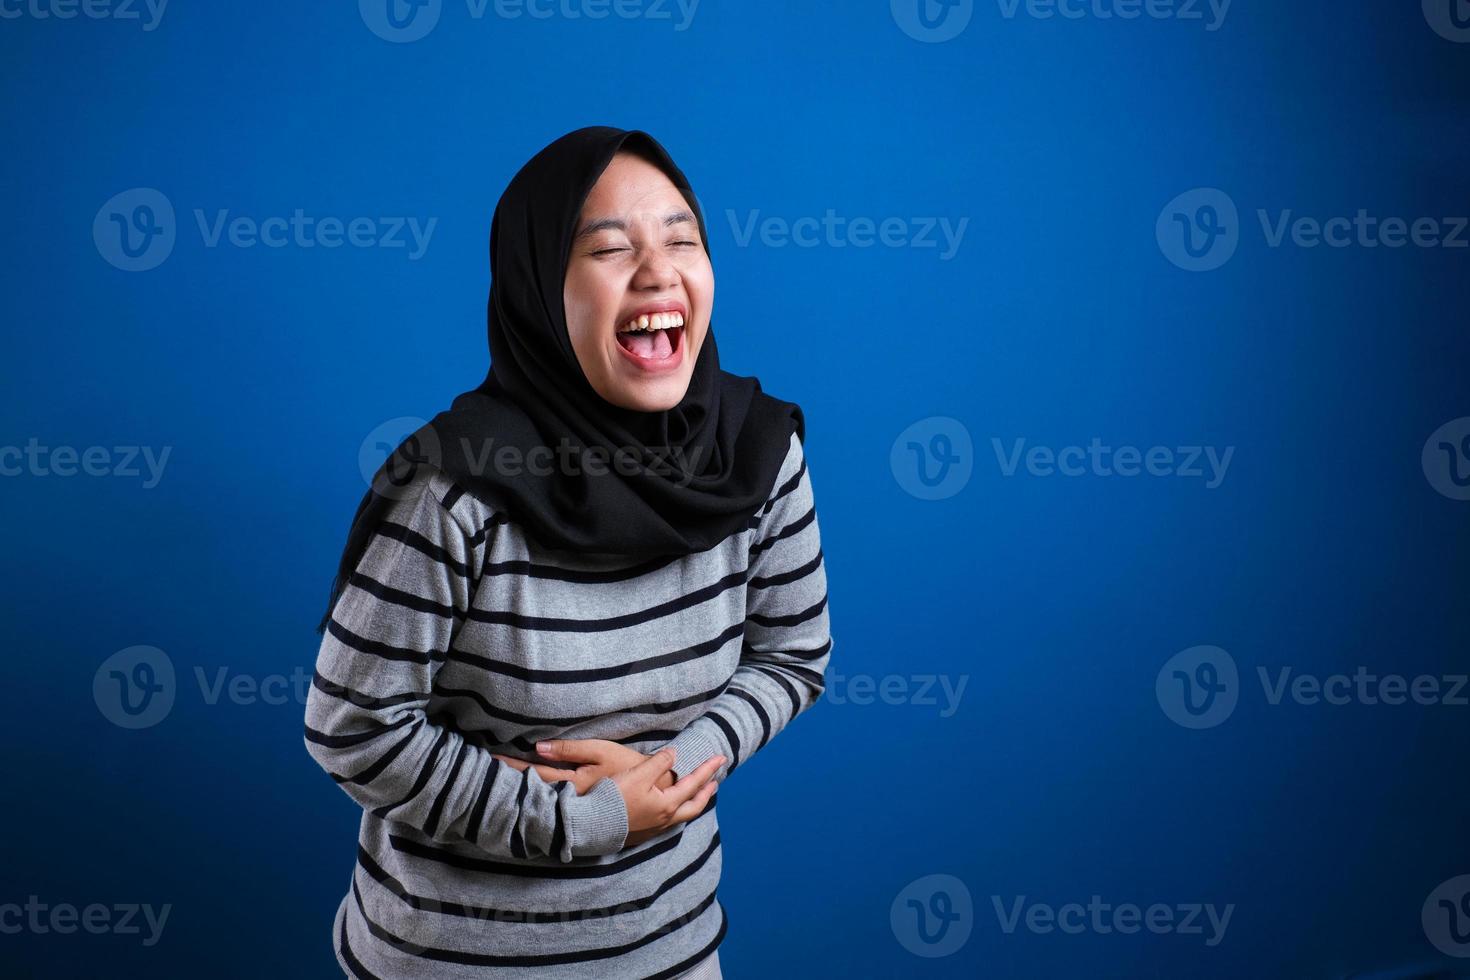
<point x="787" y="641"/>
<point x="366" y="719"/>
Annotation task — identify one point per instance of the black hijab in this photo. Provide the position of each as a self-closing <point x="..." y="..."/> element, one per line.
<point x="703" y="468"/>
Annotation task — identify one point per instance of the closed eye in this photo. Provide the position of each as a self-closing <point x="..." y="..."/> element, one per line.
<point x="613" y="250"/>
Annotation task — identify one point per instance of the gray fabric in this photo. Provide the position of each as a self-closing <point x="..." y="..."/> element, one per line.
<point x="460" y="637"/>
<point x="706" y="969"/>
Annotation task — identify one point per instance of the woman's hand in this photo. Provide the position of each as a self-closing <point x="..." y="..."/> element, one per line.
<point x="592" y="759"/>
<point x="652" y="810"/>
<point x="655" y="798"/>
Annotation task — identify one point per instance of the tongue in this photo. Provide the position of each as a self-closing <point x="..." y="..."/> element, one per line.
<point x="648" y="343"/>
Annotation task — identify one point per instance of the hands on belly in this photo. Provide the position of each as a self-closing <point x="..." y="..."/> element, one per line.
<point x="655" y="800"/>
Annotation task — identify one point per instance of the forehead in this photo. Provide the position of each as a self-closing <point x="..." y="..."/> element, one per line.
<point x="629" y="186"/>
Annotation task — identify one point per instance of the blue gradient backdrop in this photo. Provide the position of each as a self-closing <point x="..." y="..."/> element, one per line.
<point x="1056" y="600"/>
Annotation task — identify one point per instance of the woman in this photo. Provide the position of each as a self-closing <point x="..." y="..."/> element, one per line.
<point x="570" y="606"/>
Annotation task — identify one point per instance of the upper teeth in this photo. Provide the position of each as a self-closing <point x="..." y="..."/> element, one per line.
<point x="653" y="321"/>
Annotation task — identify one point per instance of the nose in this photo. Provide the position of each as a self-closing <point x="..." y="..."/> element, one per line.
<point x="655" y="272"/>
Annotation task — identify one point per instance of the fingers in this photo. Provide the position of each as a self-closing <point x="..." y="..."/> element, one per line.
<point x="547" y="773"/>
<point x="693" y="808"/>
<point x="654" y="766"/>
<point x="686" y="788"/>
<point x="573" y="749"/>
<point x="683" y="813"/>
<point x="551" y="773"/>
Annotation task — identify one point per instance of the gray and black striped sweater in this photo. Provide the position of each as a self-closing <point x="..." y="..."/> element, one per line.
<point x="459" y="637"/>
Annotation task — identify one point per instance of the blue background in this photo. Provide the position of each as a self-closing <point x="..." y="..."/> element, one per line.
<point x="1060" y="319"/>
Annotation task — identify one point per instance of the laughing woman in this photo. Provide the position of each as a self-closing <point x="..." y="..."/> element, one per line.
<point x="570" y="606"/>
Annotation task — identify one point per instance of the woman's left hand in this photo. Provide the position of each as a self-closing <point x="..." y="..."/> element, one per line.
<point x="593" y="758"/>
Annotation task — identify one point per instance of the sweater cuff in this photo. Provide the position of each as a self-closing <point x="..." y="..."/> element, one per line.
<point x="696" y="745"/>
<point x="597" y="821"/>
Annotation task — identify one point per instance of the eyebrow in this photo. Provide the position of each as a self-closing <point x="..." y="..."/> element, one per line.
<point x="617" y="224"/>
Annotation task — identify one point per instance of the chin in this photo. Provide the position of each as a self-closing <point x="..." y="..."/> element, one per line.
<point x="657" y="396"/>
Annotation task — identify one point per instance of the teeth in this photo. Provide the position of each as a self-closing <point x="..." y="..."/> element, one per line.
<point x="654" y="321"/>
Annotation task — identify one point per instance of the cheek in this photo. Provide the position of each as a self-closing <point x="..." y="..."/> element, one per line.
<point x="587" y="304"/>
<point x="699" y="283"/>
<point x="702" y="277"/>
<point x="702" y="292"/>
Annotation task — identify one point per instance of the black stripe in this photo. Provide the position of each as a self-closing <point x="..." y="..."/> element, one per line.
<point x="813" y="677"/>
<point x="407" y="535"/>
<point x="352" y="961"/>
<point x="386" y="759"/>
<point x="451" y="497"/>
<point x="431" y="825"/>
<point x="542" y="959"/>
<point x="398" y="597"/>
<point x="528" y="745"/>
<point x="517" y="843"/>
<point x="786" y="488"/>
<point x="541" y="570"/>
<point x="730" y="736"/>
<point x="578" y="868"/>
<point x="558" y="830"/>
<point x="377" y="649"/>
<point x="530" y="721"/>
<point x="477" y="815"/>
<point x="344" y="693"/>
<point x="653" y="735"/>
<point x="587" y="674"/>
<point x="709" y="947"/>
<point x="425" y="771"/>
<point x="795" y="527"/>
<point x="354" y="738"/>
<point x="791" y="692"/>
<point x="785" y="578"/>
<point x="748" y="652"/>
<point x="520" y="916"/>
<point x="659" y="611"/>
<point x="796" y="618"/>
<point x="494" y="520"/>
<point x="760" y="711"/>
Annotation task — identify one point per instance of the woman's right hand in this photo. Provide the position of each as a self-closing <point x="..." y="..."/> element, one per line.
<point x="652" y="810"/>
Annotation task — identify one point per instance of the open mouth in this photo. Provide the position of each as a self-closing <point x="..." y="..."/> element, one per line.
<point x="652" y="337"/>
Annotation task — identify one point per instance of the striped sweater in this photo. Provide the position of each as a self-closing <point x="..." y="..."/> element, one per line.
<point x="459" y="636"/>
